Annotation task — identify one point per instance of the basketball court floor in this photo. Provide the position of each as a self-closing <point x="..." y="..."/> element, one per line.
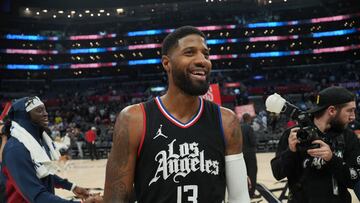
<point x="91" y="174"/>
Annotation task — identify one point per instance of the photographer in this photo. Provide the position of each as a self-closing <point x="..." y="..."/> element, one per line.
<point x="321" y="167"/>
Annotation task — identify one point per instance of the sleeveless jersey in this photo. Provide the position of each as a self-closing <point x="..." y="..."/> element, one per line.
<point x="180" y="162"/>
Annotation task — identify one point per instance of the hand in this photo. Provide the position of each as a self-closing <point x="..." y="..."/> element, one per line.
<point x="81" y="192"/>
<point x="94" y="199"/>
<point x="323" y="152"/>
<point x="293" y="141"/>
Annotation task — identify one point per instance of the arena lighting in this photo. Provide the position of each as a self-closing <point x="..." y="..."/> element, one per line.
<point x="226" y="56"/>
<point x="143" y="62"/>
<point x="336" y="49"/>
<point x="258" y="77"/>
<point x="154" y="46"/>
<point x="148" y="32"/>
<point x="157" y="89"/>
<point x="80" y="15"/>
<point x="27" y="9"/>
<point x="37" y="13"/>
<point x="212" y="57"/>
<point x="101" y="10"/>
<point x="73" y="12"/>
<point x="108" y="14"/>
<point x="61" y="12"/>
<point x="143" y="46"/>
<point x="90" y="37"/>
<point x="30" y="37"/>
<point x="69" y="16"/>
<point x="334" y="33"/>
<point x="92" y="65"/>
<point x="251" y="25"/>
<point x="45" y="11"/>
<point x="120" y="10"/>
<point x="54" y="16"/>
<point x="92" y="15"/>
<point x="93" y="50"/>
<point x="275" y="54"/>
<point x="28" y="51"/>
<point x="30" y="67"/>
<point x="87" y="11"/>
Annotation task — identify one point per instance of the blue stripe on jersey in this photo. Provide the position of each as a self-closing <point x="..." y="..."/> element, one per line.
<point x="171" y="117"/>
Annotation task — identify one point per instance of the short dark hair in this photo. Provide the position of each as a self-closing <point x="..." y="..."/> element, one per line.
<point x="171" y="40"/>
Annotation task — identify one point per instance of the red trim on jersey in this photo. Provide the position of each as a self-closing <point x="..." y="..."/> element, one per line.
<point x="12" y="191"/>
<point x="174" y="120"/>
<point x="144" y="129"/>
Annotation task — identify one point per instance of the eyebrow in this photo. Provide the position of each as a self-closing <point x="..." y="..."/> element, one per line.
<point x="194" y="48"/>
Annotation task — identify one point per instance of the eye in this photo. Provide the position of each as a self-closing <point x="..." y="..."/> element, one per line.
<point x="188" y="53"/>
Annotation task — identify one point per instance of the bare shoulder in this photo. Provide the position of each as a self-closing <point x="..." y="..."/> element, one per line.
<point x="121" y="163"/>
<point x="130" y="119"/>
<point x="232" y="131"/>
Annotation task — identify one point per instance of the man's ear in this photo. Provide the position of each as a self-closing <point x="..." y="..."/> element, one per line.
<point x="165" y="60"/>
<point x="332" y="110"/>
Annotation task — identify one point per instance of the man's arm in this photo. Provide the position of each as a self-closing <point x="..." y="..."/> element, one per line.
<point x="346" y="170"/>
<point x="235" y="168"/>
<point x="121" y="163"/>
<point x="286" y="161"/>
<point x="20" y="170"/>
<point x="65" y="184"/>
<point x="232" y="131"/>
<point x="62" y="183"/>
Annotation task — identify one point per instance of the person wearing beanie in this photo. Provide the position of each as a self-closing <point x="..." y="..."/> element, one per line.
<point x="324" y="170"/>
<point x="29" y="158"/>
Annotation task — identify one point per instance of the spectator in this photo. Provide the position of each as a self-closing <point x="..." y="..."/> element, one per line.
<point x="249" y="149"/>
<point x="90" y="137"/>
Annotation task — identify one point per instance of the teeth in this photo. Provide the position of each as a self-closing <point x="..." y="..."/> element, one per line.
<point x="198" y="72"/>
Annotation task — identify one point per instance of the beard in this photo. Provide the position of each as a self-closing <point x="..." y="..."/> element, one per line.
<point x="337" y="125"/>
<point x="188" y="86"/>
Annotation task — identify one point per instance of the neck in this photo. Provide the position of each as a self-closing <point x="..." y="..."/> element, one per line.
<point x="183" y="107"/>
<point x="322" y="124"/>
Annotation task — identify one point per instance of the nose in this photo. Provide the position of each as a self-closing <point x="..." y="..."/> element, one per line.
<point x="202" y="61"/>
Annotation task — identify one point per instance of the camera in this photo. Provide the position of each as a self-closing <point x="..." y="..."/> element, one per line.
<point x="307" y="132"/>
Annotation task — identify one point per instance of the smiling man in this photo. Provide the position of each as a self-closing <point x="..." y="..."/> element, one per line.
<point x="178" y="147"/>
<point x="27" y="170"/>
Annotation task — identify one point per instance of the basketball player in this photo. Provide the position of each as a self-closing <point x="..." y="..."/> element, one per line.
<point x="178" y="147"/>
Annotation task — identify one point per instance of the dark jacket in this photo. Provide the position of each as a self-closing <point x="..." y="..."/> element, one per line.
<point x="249" y="139"/>
<point x="312" y="182"/>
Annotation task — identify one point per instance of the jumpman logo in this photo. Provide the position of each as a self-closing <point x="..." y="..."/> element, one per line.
<point x="159" y="133"/>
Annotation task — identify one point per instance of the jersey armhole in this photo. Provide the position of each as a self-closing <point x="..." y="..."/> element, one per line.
<point x="144" y="129"/>
<point x="221" y="125"/>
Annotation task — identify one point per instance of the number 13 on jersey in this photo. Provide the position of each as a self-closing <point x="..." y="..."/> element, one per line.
<point x="189" y="191"/>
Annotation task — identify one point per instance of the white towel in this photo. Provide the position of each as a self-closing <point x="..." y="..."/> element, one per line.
<point x="44" y="166"/>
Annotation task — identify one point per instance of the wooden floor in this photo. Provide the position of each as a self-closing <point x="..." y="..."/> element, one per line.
<point x="91" y="174"/>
